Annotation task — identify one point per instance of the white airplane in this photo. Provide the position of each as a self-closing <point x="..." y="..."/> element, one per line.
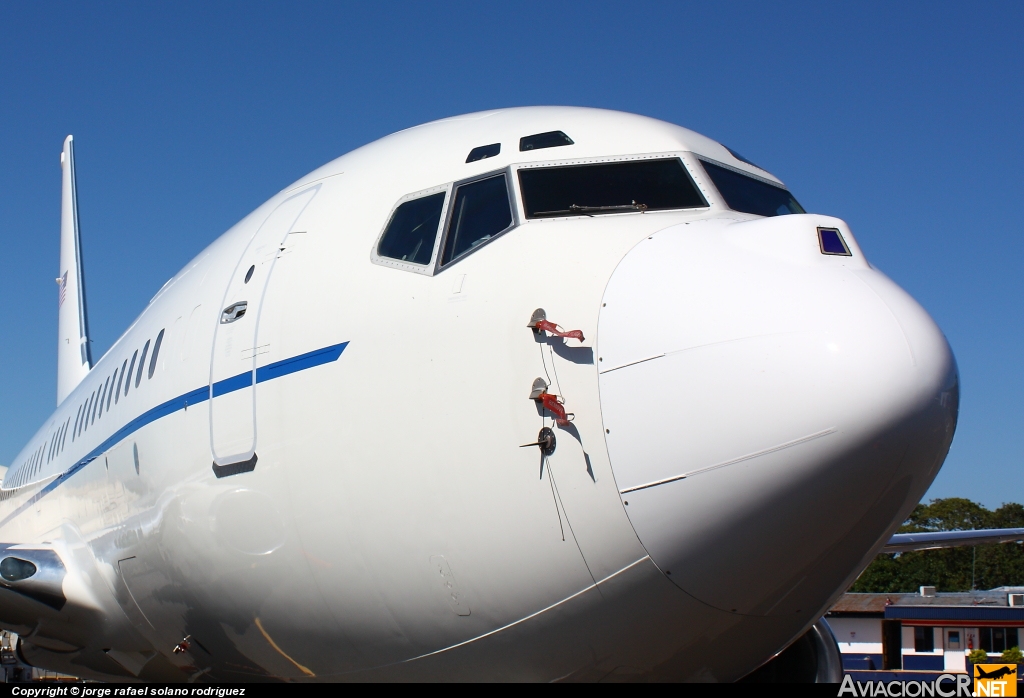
<point x="529" y="394"/>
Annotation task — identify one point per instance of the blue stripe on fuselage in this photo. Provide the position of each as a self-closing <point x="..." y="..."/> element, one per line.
<point x="277" y="369"/>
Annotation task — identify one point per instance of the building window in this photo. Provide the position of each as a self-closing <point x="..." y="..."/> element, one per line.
<point x="924" y="640"/>
<point x="953" y="642"/>
<point x="998" y="639"/>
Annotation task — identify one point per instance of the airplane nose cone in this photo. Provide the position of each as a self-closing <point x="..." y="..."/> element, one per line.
<point x="772" y="412"/>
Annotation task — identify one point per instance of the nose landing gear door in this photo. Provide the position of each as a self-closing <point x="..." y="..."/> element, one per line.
<point x="232" y="375"/>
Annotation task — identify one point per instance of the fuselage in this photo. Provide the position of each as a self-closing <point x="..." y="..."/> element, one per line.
<point x="329" y="482"/>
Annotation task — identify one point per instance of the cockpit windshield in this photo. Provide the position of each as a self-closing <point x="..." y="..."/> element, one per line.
<point x="750" y="195"/>
<point x="618" y="187"/>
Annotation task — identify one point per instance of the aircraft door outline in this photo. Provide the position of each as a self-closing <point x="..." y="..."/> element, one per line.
<point x="234" y="351"/>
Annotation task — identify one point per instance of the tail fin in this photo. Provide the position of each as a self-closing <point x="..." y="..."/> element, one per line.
<point x="74" y="356"/>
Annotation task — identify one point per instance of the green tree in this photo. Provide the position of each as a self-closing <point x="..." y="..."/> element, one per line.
<point x="1013" y="655"/>
<point x="978" y="657"/>
<point x="950" y="514"/>
<point x="1002" y="565"/>
<point x="951" y="569"/>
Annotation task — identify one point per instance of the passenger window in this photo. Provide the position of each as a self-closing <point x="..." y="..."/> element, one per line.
<point x="117" y="393"/>
<point x="412" y="231"/>
<point x="142" y="362"/>
<point x="113" y="382"/>
<point x="109" y="392"/>
<point x="88" y="410"/>
<point x="102" y="396"/>
<point x="128" y="383"/>
<point x="481" y="212"/>
<point x="156" y="353"/>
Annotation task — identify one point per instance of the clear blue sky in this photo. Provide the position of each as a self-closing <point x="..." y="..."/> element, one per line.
<point x="905" y="119"/>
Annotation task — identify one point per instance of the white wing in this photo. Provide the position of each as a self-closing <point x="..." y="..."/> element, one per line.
<point x="906" y="542"/>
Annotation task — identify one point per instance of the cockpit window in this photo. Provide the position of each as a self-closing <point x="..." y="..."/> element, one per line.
<point x="412" y="231"/>
<point x="750" y="195"/>
<point x="548" y="139"/>
<point x="481" y="212"/>
<point x="741" y="158"/>
<point x="619" y="187"/>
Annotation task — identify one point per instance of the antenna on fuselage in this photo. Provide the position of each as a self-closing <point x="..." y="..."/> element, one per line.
<point x="74" y="356"/>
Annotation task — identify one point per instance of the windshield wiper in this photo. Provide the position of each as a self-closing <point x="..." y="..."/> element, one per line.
<point x="576" y="208"/>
